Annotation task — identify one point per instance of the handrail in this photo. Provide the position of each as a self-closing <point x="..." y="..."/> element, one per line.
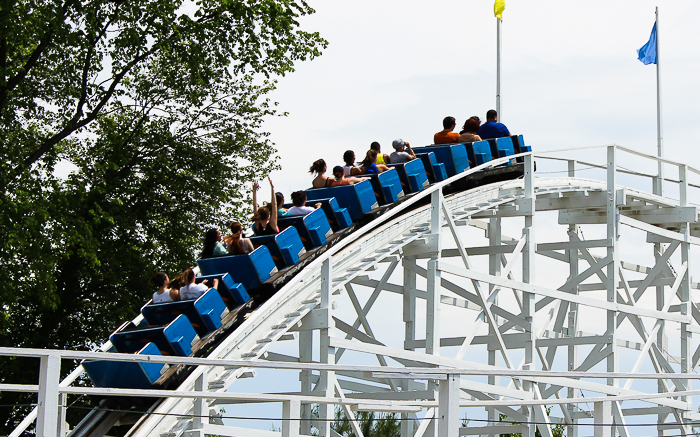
<point x="624" y="149"/>
<point x="412" y="372"/>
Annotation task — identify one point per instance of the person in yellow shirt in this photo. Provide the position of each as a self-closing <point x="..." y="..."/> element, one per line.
<point x="382" y="158"/>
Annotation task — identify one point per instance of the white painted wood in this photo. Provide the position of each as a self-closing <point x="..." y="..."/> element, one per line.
<point x="448" y="408"/>
<point x="47" y="413"/>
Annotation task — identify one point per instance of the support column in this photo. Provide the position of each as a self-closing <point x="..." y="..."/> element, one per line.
<point x="529" y="277"/>
<point x="684" y="294"/>
<point x="305" y="356"/>
<point x="494" y="235"/>
<point x="613" y="272"/>
<point x="290" y="412"/>
<point x="201" y="409"/>
<point x="49" y="378"/>
<point x="327" y="352"/>
<point x="448" y="407"/>
<point x="409" y="317"/>
<point x="572" y="349"/>
<point x="602" y="415"/>
<point x="432" y="304"/>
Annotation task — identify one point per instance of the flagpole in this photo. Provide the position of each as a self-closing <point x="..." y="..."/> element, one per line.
<point x="659" y="128"/>
<point x="498" y="69"/>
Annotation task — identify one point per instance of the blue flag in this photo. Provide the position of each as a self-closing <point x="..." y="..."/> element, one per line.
<point x="647" y="54"/>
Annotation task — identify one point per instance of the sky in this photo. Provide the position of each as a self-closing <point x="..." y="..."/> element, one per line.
<point x="570" y="77"/>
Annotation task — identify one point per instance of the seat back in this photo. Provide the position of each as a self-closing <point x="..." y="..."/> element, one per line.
<point x="454" y="156"/>
<point x="285" y="247"/>
<point x="387" y="186"/>
<point x="338" y="217"/>
<point x="232" y="293"/>
<point x="175" y="338"/>
<point x="501" y="147"/>
<point x="479" y="152"/>
<point x="123" y="374"/>
<point x="313" y="228"/>
<point x="358" y="199"/>
<point x="435" y="170"/>
<point x="251" y="269"/>
<point x="412" y="175"/>
<point x="205" y="314"/>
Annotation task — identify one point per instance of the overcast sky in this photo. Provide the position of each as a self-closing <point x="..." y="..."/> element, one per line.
<point x="570" y="76"/>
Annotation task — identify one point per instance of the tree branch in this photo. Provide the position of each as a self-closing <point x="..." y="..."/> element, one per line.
<point x="15" y="80"/>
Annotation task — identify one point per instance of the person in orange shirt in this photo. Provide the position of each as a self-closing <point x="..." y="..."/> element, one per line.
<point x="446" y="136"/>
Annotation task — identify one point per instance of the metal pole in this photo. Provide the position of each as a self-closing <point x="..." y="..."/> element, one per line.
<point x="498" y="69"/>
<point x="659" y="128"/>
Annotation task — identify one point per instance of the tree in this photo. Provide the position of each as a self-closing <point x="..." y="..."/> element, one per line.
<point x="371" y="425"/>
<point x="557" y="430"/>
<point x="157" y="107"/>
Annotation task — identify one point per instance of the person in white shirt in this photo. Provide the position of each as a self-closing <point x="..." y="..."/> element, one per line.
<point x="192" y="290"/>
<point x="400" y="155"/>
<point x="164" y="294"/>
<point x="299" y="201"/>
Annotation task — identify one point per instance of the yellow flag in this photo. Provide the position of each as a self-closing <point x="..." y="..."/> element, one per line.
<point x="498" y="8"/>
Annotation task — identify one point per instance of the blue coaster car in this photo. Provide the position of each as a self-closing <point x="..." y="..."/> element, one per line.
<point x="479" y="152"/>
<point x="122" y="374"/>
<point x="338" y="217"/>
<point x="176" y="338"/>
<point x="313" y="228"/>
<point x="435" y="170"/>
<point x="501" y="147"/>
<point x="387" y="186"/>
<point x="358" y="199"/>
<point x="285" y="247"/>
<point x="454" y="156"/>
<point x="205" y="313"/>
<point x="412" y="175"/>
<point x="232" y="293"/>
<point x="251" y="269"/>
<point x="519" y="144"/>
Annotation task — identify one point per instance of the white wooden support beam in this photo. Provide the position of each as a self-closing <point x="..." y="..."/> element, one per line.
<point x="528" y="299"/>
<point x="685" y="296"/>
<point x="305" y="376"/>
<point x="613" y="235"/>
<point x="327" y="351"/>
<point x="448" y="409"/>
<point x="409" y="320"/>
<point x="49" y="378"/>
<point x="200" y="410"/>
<point x="602" y="419"/>
<point x="291" y="410"/>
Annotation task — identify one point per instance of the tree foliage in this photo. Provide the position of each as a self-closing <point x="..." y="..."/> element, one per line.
<point x="156" y="107"/>
<point x="371" y="424"/>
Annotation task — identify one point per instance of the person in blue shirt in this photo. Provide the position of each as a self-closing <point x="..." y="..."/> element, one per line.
<point x="492" y="128"/>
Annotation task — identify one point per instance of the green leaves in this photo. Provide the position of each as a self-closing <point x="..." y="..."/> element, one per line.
<point x="126" y="129"/>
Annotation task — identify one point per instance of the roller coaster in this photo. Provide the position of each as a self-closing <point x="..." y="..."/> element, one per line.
<point x="425" y="245"/>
